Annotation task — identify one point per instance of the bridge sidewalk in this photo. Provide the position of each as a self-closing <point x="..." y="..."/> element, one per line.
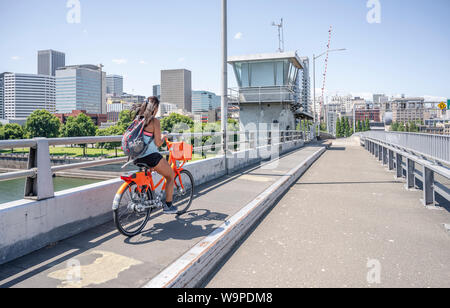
<point x="345" y="219"/>
<point x="108" y="259"/>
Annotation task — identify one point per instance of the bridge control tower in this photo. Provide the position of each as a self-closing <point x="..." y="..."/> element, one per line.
<point x="272" y="88"/>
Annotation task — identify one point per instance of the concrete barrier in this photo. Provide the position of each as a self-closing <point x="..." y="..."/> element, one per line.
<point x="26" y="226"/>
<point x="194" y="266"/>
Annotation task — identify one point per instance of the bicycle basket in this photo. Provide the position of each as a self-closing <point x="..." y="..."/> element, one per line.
<point x="181" y="151"/>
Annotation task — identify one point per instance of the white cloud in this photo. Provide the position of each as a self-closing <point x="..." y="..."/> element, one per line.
<point x="181" y="59"/>
<point x="15" y="58"/>
<point x="143" y="62"/>
<point x="120" y="61"/>
<point x="238" y="36"/>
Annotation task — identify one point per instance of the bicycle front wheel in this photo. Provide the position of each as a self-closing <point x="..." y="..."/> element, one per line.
<point x="183" y="191"/>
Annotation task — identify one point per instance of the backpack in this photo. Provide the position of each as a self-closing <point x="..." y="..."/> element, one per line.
<point x="133" y="143"/>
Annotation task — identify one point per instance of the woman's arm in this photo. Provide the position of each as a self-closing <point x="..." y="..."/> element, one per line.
<point x="157" y="133"/>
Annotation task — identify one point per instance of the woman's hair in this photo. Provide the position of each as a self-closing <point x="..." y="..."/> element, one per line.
<point x="147" y="109"/>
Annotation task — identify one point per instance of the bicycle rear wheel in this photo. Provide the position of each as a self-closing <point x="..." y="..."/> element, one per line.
<point x="129" y="219"/>
<point x="183" y="191"/>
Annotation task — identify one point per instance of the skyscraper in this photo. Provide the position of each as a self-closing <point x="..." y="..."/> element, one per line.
<point x="157" y="91"/>
<point x="114" y="85"/>
<point x="2" y="106"/>
<point x="176" y="88"/>
<point x="203" y="101"/>
<point x="49" y="61"/>
<point x="80" y="87"/>
<point x="25" y="93"/>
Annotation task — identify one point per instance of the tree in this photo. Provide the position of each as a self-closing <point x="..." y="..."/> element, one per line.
<point x="2" y="133"/>
<point x="110" y="131"/>
<point x="367" y="124"/>
<point x="176" y="123"/>
<point x="80" y="126"/>
<point x="125" y="119"/>
<point x="41" y="123"/>
<point x="338" y="128"/>
<point x="12" y="131"/>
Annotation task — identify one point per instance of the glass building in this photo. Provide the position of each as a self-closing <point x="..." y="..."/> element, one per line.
<point x="114" y="85"/>
<point x="203" y="101"/>
<point x="80" y="87"/>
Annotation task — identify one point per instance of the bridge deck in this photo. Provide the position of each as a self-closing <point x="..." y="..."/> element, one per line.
<point x="108" y="259"/>
<point x="345" y="210"/>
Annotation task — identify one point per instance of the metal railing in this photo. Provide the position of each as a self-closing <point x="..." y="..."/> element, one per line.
<point x="39" y="184"/>
<point x="431" y="147"/>
<point x="404" y="152"/>
<point x="277" y="94"/>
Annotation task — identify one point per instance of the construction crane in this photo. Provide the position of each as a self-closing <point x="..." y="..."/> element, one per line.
<point x="280" y="35"/>
<point x="325" y="72"/>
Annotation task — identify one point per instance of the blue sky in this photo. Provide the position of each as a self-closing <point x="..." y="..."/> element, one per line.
<point x="407" y="52"/>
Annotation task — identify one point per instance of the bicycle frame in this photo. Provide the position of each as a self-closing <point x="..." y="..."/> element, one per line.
<point x="144" y="179"/>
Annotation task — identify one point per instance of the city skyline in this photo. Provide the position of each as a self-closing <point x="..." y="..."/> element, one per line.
<point x="380" y="68"/>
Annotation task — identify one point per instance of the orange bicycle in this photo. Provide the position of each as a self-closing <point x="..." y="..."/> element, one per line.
<point x="138" y="197"/>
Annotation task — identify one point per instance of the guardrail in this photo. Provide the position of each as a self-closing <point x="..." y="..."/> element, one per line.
<point x="431" y="147"/>
<point x="402" y="152"/>
<point x="39" y="184"/>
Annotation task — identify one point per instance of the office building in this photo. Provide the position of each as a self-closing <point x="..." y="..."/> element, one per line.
<point x="25" y="93"/>
<point x="81" y="87"/>
<point x="165" y="109"/>
<point x="176" y="88"/>
<point x="407" y="109"/>
<point x="379" y="99"/>
<point x="114" y="85"/>
<point x="203" y="101"/>
<point x="157" y="91"/>
<point x="49" y="61"/>
<point x="2" y="106"/>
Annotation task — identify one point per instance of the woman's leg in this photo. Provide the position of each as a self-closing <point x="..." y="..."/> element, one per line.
<point x="166" y="171"/>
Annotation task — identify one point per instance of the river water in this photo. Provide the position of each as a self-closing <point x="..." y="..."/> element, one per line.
<point x="13" y="190"/>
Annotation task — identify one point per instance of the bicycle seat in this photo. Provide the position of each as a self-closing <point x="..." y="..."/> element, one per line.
<point x="142" y="165"/>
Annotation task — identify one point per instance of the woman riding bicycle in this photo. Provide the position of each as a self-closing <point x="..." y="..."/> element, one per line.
<point x="154" y="139"/>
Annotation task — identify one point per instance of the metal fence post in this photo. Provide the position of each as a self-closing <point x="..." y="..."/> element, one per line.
<point x="41" y="186"/>
<point x="391" y="160"/>
<point x="410" y="178"/>
<point x="399" y="165"/>
<point x="428" y="186"/>
<point x="385" y="154"/>
<point x="380" y="153"/>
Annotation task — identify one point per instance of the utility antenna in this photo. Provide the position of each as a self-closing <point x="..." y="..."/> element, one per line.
<point x="280" y="35"/>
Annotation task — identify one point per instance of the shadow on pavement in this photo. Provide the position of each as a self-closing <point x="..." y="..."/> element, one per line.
<point x="182" y="228"/>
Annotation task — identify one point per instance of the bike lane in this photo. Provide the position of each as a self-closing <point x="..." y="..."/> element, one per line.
<point x="101" y="257"/>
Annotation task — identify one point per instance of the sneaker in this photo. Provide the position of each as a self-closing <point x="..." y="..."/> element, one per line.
<point x="170" y="210"/>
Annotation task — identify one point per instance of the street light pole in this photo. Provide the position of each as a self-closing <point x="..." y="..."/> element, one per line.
<point x="224" y="83"/>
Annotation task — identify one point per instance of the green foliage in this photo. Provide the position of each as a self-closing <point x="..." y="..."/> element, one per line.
<point x="80" y="126"/>
<point x="176" y="123"/>
<point x="367" y="126"/>
<point x="125" y="119"/>
<point x="338" y="128"/>
<point x="12" y="131"/>
<point x="41" y="123"/>
<point x="116" y="130"/>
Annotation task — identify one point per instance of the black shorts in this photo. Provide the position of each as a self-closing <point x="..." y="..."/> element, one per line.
<point x="151" y="160"/>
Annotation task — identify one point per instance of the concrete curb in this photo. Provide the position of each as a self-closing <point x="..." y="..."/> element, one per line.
<point x="191" y="269"/>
